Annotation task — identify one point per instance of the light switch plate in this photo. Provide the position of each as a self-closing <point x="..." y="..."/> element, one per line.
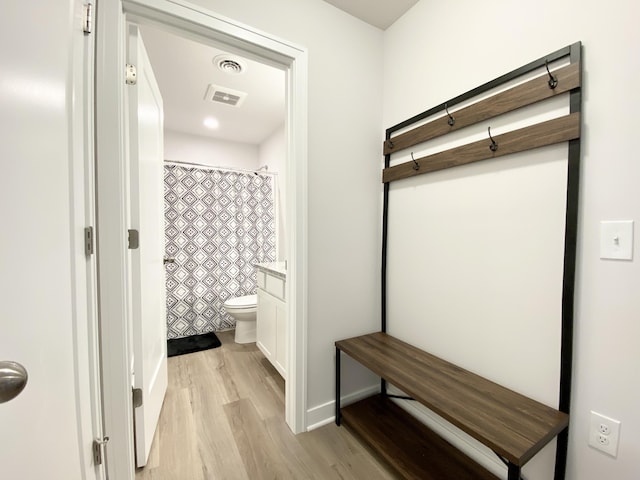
<point x="616" y="240"/>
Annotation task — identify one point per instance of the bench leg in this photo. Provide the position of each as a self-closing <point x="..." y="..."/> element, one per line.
<point x="337" y="386"/>
<point x="514" y="472"/>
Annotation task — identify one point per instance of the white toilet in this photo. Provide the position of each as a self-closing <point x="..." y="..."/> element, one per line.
<point x="243" y="310"/>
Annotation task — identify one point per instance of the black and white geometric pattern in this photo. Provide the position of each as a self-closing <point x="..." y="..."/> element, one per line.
<point x="218" y="224"/>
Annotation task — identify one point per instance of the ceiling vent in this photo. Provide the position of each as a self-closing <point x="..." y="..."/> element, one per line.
<point x="218" y="94"/>
<point x="229" y="64"/>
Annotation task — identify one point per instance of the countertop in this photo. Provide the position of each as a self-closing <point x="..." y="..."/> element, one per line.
<point x="278" y="269"/>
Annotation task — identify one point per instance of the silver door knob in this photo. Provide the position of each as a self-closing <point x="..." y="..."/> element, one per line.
<point x="13" y="379"/>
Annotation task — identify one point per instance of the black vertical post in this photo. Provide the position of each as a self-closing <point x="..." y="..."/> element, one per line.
<point x="568" y="281"/>
<point x="337" y="386"/>
<point x="385" y="224"/>
<point x="514" y="472"/>
<point x="562" y="446"/>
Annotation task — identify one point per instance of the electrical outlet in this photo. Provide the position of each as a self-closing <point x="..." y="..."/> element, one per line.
<point x="604" y="433"/>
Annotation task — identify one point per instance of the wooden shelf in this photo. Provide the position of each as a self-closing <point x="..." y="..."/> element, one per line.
<point x="558" y="130"/>
<point x="527" y="93"/>
<point x="512" y="425"/>
<point x="410" y="448"/>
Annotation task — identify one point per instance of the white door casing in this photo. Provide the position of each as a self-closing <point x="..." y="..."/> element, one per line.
<point x="112" y="224"/>
<point x="47" y="287"/>
<point x="147" y="269"/>
<point x="231" y="35"/>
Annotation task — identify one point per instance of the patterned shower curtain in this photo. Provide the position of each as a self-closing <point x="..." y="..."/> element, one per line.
<point x="218" y="224"/>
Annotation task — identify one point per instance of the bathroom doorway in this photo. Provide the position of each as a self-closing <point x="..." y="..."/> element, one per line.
<point x="207" y="27"/>
<point x="224" y="194"/>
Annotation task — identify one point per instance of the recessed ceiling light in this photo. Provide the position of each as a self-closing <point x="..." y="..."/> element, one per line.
<point x="211" y="123"/>
<point x="230" y="64"/>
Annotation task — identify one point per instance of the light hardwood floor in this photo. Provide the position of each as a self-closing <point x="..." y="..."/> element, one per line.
<point x="223" y="419"/>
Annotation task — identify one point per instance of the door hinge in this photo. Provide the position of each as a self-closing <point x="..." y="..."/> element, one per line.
<point x="88" y="241"/>
<point x="137" y="397"/>
<point x="98" y="450"/>
<point x="132" y="75"/>
<point x="88" y="18"/>
<point x="134" y="239"/>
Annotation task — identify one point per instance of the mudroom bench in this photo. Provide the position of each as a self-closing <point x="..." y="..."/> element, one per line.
<point x="513" y="426"/>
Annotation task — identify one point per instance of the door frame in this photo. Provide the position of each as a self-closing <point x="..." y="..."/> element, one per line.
<point x="112" y="202"/>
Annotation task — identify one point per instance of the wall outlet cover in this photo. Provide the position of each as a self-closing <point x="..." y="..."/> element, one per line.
<point x="604" y="433"/>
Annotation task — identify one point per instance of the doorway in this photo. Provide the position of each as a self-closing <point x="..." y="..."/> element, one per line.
<point x="111" y="147"/>
<point x="224" y="155"/>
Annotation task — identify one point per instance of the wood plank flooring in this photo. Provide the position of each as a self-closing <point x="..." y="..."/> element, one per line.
<point x="223" y="419"/>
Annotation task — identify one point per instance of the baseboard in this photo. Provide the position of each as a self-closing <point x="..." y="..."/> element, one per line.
<point x="326" y="413"/>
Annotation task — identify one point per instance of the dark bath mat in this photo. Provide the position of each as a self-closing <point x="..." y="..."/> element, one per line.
<point x="194" y="343"/>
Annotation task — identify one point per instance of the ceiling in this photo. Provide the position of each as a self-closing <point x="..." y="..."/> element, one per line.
<point x="379" y="13"/>
<point x="184" y="69"/>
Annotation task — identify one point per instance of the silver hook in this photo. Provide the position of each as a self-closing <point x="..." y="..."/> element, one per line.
<point x="494" y="146"/>
<point x="553" y="81"/>
<point x="451" y="121"/>
<point x="416" y="166"/>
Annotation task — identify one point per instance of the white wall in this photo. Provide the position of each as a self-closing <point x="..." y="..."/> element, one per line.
<point x="344" y="190"/>
<point x="273" y="153"/>
<point x="183" y="147"/>
<point x="442" y="49"/>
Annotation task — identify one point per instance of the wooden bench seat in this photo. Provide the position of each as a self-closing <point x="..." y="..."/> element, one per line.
<point x="514" y="426"/>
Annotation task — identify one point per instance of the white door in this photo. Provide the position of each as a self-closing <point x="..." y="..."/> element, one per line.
<point x="45" y="277"/>
<point x="147" y="269"/>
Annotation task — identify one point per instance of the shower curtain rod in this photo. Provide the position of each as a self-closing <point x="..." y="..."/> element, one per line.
<point x="228" y="169"/>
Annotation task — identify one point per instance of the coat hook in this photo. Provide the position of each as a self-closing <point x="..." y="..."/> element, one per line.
<point x="451" y="121"/>
<point x="416" y="166"/>
<point x="553" y="81"/>
<point x="390" y="143"/>
<point x="494" y="146"/>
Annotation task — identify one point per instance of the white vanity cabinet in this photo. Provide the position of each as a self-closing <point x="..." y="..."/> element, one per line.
<point x="271" y="321"/>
